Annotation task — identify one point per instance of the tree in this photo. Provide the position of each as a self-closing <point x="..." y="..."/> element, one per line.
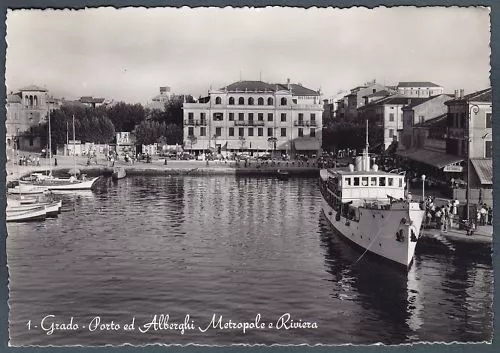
<point x="173" y="109"/>
<point x="126" y="116"/>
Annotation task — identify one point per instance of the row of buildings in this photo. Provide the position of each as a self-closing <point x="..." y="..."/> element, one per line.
<point x="447" y="136"/>
<point x="255" y="117"/>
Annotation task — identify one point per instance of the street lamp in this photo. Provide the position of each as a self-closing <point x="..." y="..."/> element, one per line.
<point x="474" y="108"/>
<point x="423" y="187"/>
<point x="273" y="141"/>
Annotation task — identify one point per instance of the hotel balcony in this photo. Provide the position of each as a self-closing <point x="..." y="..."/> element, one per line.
<point x="304" y="123"/>
<point x="195" y="122"/>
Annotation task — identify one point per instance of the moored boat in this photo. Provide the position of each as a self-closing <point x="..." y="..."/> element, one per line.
<point x="282" y="174"/>
<point x="36" y="214"/>
<point x="118" y="173"/>
<point x="370" y="209"/>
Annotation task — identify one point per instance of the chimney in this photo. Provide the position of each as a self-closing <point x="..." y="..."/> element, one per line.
<point x="461" y="92"/>
<point x="288" y="83"/>
<point x="456" y="93"/>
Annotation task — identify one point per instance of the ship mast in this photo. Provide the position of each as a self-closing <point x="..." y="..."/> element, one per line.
<point x="366" y="156"/>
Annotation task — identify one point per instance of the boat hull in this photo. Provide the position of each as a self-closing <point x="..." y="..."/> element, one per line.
<point x="69" y="185"/>
<point x="118" y="174"/>
<point x="385" y="233"/>
<point x="26" y="216"/>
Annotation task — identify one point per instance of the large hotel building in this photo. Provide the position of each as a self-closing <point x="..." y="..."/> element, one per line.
<point x="254" y="116"/>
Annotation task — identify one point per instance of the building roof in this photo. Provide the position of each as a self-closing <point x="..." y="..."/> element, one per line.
<point x="417" y="84"/>
<point x="33" y="88"/>
<point x="260" y="86"/>
<point x="438" y="121"/>
<point x="382" y="93"/>
<point x="399" y="100"/>
<point x="91" y="100"/>
<point x="478" y="96"/>
<point x="14" y="98"/>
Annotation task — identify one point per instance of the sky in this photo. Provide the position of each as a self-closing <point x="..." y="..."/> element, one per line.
<point x="127" y="54"/>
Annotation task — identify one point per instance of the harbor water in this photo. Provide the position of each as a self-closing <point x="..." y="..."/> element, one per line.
<point x="244" y="249"/>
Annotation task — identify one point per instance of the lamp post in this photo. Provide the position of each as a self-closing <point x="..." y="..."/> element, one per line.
<point x="474" y="108"/>
<point x="423" y="188"/>
<point x="273" y="141"/>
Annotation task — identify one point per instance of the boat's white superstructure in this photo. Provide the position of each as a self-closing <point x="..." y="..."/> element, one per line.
<point x="369" y="207"/>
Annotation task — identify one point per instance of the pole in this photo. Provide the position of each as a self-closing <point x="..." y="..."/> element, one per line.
<point x="50" y="148"/>
<point x="67" y="137"/>
<point x="473" y="108"/>
<point x="74" y="146"/>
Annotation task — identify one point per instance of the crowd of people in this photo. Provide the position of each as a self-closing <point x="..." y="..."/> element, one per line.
<point x="29" y="161"/>
<point x="447" y="215"/>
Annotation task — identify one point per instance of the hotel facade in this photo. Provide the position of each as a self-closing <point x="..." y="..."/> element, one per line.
<point x="253" y="117"/>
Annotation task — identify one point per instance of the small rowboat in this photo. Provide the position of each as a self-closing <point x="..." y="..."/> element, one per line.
<point x="282" y="174"/>
<point x="25" y="216"/>
<point x="118" y="173"/>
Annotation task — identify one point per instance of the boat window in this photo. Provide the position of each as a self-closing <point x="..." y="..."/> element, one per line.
<point x="364" y="181"/>
<point x="381" y="181"/>
<point x="400" y="182"/>
<point x="390" y="181"/>
<point x="373" y="181"/>
<point x="356" y="181"/>
<point x="348" y="181"/>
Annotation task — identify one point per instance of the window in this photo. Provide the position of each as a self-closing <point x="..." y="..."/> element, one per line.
<point x="301" y="132"/>
<point x="364" y="181"/>
<point x="203" y="131"/>
<point x="270" y="101"/>
<point x="190" y="115"/>
<point x="381" y="181"/>
<point x="301" y="117"/>
<point x="260" y="131"/>
<point x="190" y="131"/>
<point x="356" y="181"/>
<point x="313" y="118"/>
<point x="373" y="181"/>
<point x="241" y="101"/>
<point x="390" y="181"/>
<point x="250" y="101"/>
<point x="218" y="131"/>
<point x="231" y="100"/>
<point x="489" y="124"/>
<point x="283" y="101"/>
<point x="348" y="181"/>
<point x="283" y="117"/>
<point x="241" y="116"/>
<point x="421" y="119"/>
<point x="231" y="131"/>
<point x="488" y="151"/>
<point x="218" y="116"/>
<point x="260" y="101"/>
<point x="269" y="116"/>
<point x="283" y="132"/>
<point x="250" y="116"/>
<point x="312" y="132"/>
<point x="400" y="182"/>
<point x="391" y="116"/>
<point x="269" y="131"/>
<point x="250" y="131"/>
<point x="241" y="132"/>
<point x="218" y="100"/>
<point x="260" y="116"/>
<point x="231" y="116"/>
<point x="391" y="132"/>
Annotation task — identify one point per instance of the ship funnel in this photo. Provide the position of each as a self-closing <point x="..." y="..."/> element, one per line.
<point x="351" y="168"/>
<point x="375" y="168"/>
<point x="359" y="163"/>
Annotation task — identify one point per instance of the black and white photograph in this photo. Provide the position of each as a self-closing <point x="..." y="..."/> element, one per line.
<point x="223" y="176"/>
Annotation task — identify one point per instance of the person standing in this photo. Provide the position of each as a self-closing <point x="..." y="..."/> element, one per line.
<point x="484" y="214"/>
<point x="490" y="215"/>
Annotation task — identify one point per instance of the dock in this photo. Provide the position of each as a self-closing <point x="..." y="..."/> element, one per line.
<point x="482" y="235"/>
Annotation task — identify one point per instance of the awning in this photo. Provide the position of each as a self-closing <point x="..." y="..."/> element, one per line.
<point x="198" y="145"/>
<point x="306" y="145"/>
<point x="433" y="158"/>
<point x="484" y="170"/>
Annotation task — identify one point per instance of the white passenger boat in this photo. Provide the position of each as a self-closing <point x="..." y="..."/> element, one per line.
<point x="370" y="209"/>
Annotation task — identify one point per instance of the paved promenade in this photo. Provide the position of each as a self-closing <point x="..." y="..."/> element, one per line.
<point x="483" y="235"/>
<point x="158" y="167"/>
